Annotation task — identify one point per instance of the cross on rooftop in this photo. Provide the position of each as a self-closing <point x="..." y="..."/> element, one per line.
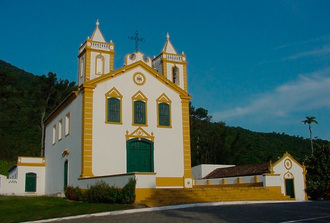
<point x="137" y="39"/>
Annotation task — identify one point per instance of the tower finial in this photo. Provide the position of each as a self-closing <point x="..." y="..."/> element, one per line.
<point x="168" y="36"/>
<point x="97" y="22"/>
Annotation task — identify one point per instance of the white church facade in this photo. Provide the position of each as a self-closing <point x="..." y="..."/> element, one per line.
<point x="131" y="120"/>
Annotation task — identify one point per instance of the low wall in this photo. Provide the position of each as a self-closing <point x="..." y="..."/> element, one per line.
<point x="145" y="183"/>
<point x="230" y="180"/>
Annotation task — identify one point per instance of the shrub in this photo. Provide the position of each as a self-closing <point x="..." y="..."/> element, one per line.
<point x="127" y="194"/>
<point x="101" y="192"/>
<point x="73" y="193"/>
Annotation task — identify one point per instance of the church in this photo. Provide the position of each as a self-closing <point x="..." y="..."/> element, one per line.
<point x="121" y="123"/>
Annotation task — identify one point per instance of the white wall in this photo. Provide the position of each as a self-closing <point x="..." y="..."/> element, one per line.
<point x="71" y="142"/>
<point x="295" y="171"/>
<point x="17" y="186"/>
<point x="109" y="141"/>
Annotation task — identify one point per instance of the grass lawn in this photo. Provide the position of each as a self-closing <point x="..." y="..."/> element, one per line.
<point x="18" y="209"/>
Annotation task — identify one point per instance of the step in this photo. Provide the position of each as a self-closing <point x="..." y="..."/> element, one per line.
<point x="213" y="194"/>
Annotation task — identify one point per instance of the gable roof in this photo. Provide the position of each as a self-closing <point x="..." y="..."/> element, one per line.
<point x="287" y="155"/>
<point x="153" y="72"/>
<point x="235" y="171"/>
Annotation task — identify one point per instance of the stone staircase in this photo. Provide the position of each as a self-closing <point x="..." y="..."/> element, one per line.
<point x="164" y="197"/>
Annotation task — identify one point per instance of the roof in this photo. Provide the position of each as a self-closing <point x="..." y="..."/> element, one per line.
<point x="168" y="47"/>
<point x="235" y="171"/>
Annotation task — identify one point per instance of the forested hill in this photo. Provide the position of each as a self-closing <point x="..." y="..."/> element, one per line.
<point x="26" y="99"/>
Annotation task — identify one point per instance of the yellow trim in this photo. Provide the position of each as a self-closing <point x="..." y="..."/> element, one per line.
<point x="65" y="152"/>
<point x="304" y="178"/>
<point x="87" y="126"/>
<point x="169" y="182"/>
<point x="136" y="79"/>
<point x="164" y="99"/>
<point x="148" y="69"/>
<point x="293" y="181"/>
<point x="286" y="154"/>
<point x="113" y="93"/>
<point x="256" y="179"/>
<point x="19" y="163"/>
<point x="88" y="58"/>
<point x="223" y="181"/>
<point x="239" y="180"/>
<point x="186" y="137"/>
<point x="140" y="133"/>
<point x="31" y="164"/>
<point x="103" y="64"/>
<point x="172" y="73"/>
<point x="185" y="84"/>
<point x="139" y="96"/>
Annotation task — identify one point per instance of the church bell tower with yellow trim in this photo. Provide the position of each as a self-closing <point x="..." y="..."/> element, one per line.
<point x="172" y="65"/>
<point x="96" y="57"/>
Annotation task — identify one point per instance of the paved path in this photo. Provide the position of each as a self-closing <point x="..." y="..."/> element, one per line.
<point x="216" y="212"/>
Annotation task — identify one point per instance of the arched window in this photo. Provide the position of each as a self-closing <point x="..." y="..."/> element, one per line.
<point x="139" y="112"/>
<point x="164" y="111"/>
<point x="99" y="65"/>
<point x="139" y="105"/>
<point x="82" y="67"/>
<point x="175" y="75"/>
<point x="164" y="114"/>
<point x="113" y="107"/>
<point x="113" y="110"/>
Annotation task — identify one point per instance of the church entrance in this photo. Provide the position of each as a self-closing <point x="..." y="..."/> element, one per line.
<point x="289" y="188"/>
<point x="140" y="155"/>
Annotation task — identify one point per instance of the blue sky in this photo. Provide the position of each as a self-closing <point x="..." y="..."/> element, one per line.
<point x="261" y="65"/>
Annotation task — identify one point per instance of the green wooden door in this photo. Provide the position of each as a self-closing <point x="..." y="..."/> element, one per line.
<point x="30" y="182"/>
<point x="66" y="164"/>
<point x="289" y="187"/>
<point x="140" y="157"/>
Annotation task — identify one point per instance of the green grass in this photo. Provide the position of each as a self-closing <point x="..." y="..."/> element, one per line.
<point x="18" y="209"/>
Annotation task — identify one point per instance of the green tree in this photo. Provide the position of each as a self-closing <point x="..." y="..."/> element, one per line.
<point x="309" y="120"/>
<point x="318" y="173"/>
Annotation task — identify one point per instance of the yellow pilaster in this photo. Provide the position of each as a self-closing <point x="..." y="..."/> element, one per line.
<point x="87" y="132"/>
<point x="186" y="137"/>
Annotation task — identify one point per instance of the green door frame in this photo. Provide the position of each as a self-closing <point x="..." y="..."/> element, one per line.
<point x="289" y="188"/>
<point x="139" y="155"/>
<point x="30" y="182"/>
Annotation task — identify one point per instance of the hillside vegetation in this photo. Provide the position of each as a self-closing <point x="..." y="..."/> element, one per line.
<point x="27" y="99"/>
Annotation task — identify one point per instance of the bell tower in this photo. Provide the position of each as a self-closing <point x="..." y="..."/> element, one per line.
<point x="96" y="57"/>
<point x="172" y="65"/>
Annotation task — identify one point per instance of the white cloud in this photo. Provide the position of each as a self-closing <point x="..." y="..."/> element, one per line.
<point x="308" y="92"/>
<point x="325" y="50"/>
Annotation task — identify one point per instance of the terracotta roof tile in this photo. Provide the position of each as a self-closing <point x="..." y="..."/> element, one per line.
<point x="235" y="171"/>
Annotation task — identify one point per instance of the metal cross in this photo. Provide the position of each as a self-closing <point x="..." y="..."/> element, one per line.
<point x="137" y="39"/>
